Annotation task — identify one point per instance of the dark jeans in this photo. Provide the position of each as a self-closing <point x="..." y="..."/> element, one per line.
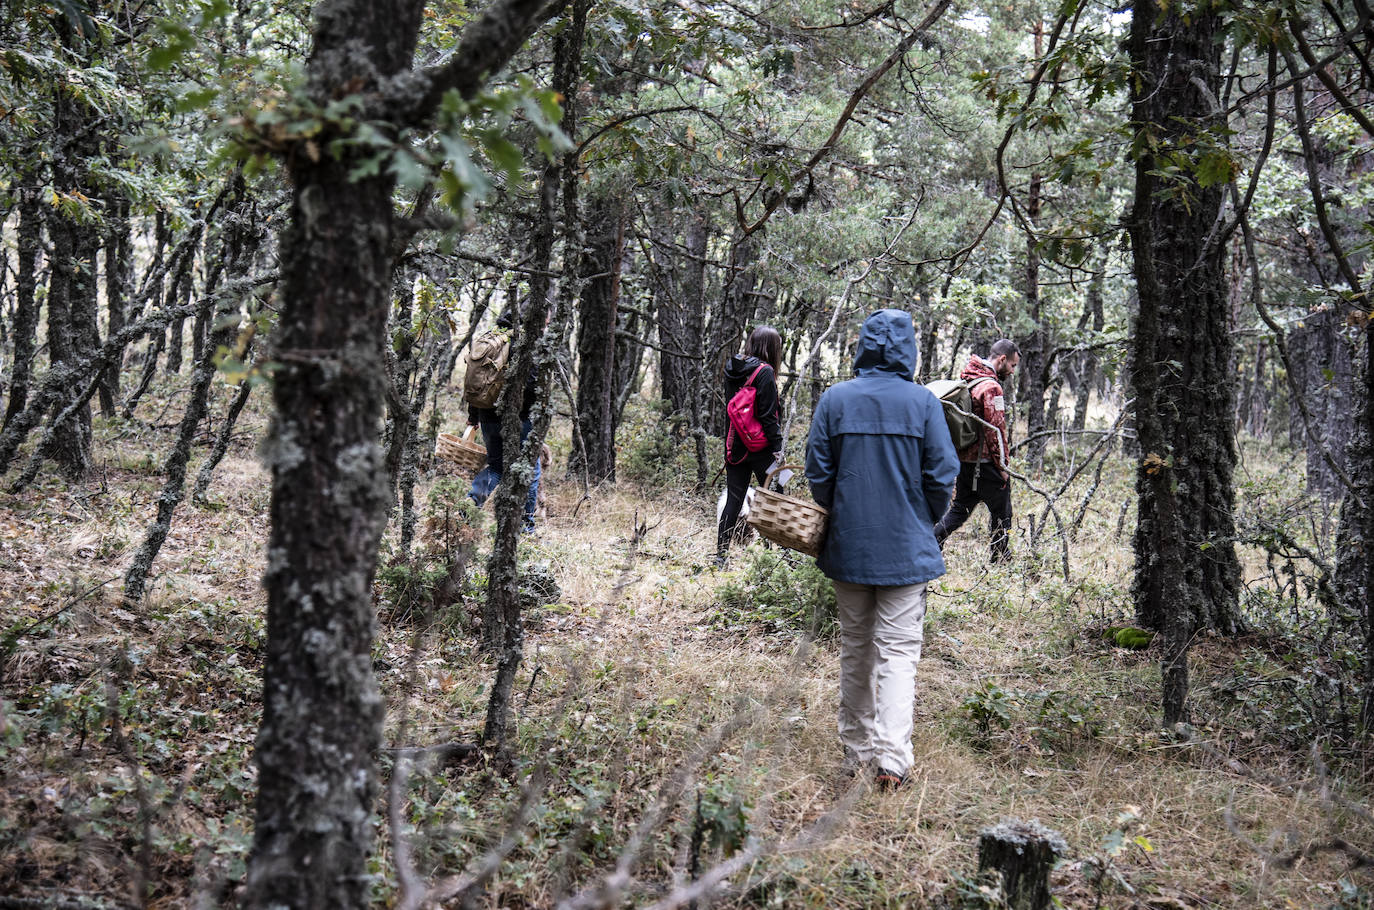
<point x="992" y="490"/>
<point x="487" y="478"/>
<point x="736" y="484"/>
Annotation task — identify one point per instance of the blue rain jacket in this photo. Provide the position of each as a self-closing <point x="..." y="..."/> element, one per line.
<point x="880" y="459"/>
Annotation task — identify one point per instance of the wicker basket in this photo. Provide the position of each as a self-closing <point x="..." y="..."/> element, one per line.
<point x="461" y="450"/>
<point x="786" y="520"/>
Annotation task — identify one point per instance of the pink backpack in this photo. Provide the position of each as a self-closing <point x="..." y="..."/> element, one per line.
<point x="743" y="422"/>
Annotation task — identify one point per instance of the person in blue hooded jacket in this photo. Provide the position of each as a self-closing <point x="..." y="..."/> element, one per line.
<point x="880" y="459"/>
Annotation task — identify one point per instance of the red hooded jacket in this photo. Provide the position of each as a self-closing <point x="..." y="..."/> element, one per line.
<point x="990" y="404"/>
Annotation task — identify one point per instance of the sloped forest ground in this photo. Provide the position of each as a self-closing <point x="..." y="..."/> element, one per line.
<point x="672" y="717"/>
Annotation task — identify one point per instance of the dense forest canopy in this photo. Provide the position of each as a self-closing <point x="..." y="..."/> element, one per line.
<point x="247" y="247"/>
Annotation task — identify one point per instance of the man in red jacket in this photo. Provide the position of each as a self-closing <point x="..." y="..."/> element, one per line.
<point x="983" y="474"/>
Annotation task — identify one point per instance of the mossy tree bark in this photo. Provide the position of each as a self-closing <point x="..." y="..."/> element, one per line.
<point x="1187" y="577"/>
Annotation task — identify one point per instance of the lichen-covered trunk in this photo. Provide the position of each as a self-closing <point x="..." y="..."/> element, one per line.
<point x="173" y="489"/>
<point x="234" y="260"/>
<point x="322" y="712"/>
<point x="321" y="709"/>
<point x="119" y="266"/>
<point x="1186" y="575"/>
<point x="28" y="238"/>
<point x="178" y="291"/>
<point x="400" y="370"/>
<point x="536" y="348"/>
<point x="222" y="439"/>
<point x="1355" y="541"/>
<point x="71" y="441"/>
<point x="596" y="340"/>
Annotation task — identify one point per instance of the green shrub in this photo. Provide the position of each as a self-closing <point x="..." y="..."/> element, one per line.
<point x="407" y="587"/>
<point x="538" y="586"/>
<point x="722" y="817"/>
<point x="989" y="705"/>
<point x="436" y="578"/>
<point x="452" y="522"/>
<point x="658" y="451"/>
<point x="1054" y="715"/>
<point x="781" y="590"/>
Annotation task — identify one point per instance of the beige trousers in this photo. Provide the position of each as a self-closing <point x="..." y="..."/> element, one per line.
<point x="881" y="632"/>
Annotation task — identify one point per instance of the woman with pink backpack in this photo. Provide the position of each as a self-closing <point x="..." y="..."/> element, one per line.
<point x="753" y="441"/>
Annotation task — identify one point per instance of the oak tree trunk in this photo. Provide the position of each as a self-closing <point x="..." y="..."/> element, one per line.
<point x="598" y="313"/>
<point x="119" y="267"/>
<point x="681" y="316"/>
<point x="1355" y="533"/>
<point x="322" y="712"/>
<point x="1187" y="577"/>
<point x="1086" y="371"/>
<point x="730" y="323"/>
<point x="1323" y="362"/>
<point x="534" y="349"/>
<point x="71" y="443"/>
<point x="28" y="238"/>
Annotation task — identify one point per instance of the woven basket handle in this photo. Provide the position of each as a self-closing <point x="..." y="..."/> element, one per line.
<point x="768" y="478"/>
<point x="467" y="434"/>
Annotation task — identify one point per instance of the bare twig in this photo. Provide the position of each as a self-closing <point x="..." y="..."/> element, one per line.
<point x="846" y="115"/>
<point x="840" y="305"/>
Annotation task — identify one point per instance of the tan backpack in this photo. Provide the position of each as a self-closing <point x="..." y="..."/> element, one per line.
<point x="486" y="364"/>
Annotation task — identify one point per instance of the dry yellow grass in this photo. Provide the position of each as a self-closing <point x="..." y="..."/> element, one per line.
<point x="645" y="618"/>
<point x="633" y="675"/>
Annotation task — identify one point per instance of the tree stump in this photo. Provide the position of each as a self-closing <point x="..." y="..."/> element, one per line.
<point x="1022" y="853"/>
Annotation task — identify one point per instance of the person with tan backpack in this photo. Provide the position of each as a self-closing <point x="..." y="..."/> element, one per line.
<point x="487" y="358"/>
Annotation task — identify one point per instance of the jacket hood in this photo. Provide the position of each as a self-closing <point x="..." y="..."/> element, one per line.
<point x="978" y="368"/>
<point x="739" y="367"/>
<point x="887" y="344"/>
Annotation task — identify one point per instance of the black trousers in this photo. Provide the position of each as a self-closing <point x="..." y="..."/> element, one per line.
<point x="992" y="490"/>
<point x="737" y="476"/>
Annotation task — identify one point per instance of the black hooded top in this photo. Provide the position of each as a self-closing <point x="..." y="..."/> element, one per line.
<point x="737" y="371"/>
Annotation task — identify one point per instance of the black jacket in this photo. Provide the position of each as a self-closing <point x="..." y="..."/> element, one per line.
<point x="766" y="409"/>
